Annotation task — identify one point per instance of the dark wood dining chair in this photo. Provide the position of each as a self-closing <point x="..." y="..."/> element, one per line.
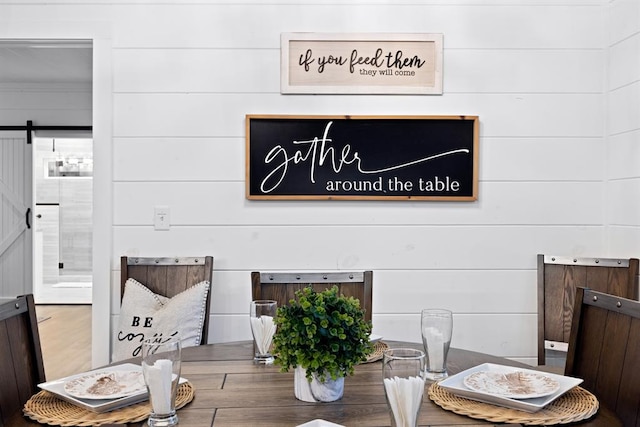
<point x="281" y="286"/>
<point x="604" y="350"/>
<point x="21" y="363"/>
<point x="169" y="276"/>
<point x="558" y="278"/>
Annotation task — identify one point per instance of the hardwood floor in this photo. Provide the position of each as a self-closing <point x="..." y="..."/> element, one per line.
<point x="65" y="337"/>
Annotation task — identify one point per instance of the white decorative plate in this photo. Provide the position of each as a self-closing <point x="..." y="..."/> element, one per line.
<point x="517" y="384"/>
<point x="105" y="403"/>
<point x="455" y="384"/>
<point x="105" y="385"/>
<point x="320" y="423"/>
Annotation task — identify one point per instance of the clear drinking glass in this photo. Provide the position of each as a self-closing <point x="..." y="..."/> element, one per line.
<point x="262" y="314"/>
<point x="161" y="370"/>
<point x="437" y="326"/>
<point x="403" y="378"/>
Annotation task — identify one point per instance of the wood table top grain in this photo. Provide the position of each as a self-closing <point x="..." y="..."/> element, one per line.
<point x="230" y="390"/>
<point x="233" y="391"/>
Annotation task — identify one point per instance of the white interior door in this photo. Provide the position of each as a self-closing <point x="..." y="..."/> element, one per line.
<point x="16" y="276"/>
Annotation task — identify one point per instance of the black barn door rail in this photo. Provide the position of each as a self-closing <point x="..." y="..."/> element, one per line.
<point x="30" y="127"/>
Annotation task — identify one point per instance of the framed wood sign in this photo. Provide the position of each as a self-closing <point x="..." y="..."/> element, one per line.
<point x="361" y="63"/>
<point x="362" y="157"/>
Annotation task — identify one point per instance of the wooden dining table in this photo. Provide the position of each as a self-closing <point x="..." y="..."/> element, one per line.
<point x="231" y="390"/>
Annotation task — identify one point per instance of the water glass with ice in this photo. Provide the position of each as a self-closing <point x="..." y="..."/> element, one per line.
<point x="161" y="370"/>
<point x="262" y="314"/>
<point x="437" y="327"/>
<point x="403" y="372"/>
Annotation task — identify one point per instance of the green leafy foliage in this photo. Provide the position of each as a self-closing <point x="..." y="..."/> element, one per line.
<point x="323" y="332"/>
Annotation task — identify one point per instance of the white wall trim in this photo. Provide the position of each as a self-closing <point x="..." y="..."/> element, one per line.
<point x="100" y="33"/>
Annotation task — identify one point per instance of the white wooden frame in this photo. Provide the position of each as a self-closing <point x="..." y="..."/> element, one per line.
<point x="100" y="34"/>
<point x="369" y="63"/>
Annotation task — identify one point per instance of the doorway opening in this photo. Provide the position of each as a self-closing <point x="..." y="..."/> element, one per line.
<point x="95" y="39"/>
<point x="63" y="210"/>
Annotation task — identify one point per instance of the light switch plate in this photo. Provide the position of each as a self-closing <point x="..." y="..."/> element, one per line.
<point x="162" y="218"/>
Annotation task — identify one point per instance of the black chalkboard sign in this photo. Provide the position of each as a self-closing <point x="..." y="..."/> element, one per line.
<point x="362" y="157"/>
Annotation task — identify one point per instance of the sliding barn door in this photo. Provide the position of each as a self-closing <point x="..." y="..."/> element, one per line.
<point x="16" y="276"/>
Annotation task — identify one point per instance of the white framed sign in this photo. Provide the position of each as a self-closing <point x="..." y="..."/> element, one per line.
<point x="369" y="63"/>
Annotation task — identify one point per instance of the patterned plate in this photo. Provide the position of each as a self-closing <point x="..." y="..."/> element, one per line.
<point x="514" y="385"/>
<point x="105" y="385"/>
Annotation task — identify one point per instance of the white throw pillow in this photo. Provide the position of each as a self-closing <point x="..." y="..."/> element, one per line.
<point x="144" y="315"/>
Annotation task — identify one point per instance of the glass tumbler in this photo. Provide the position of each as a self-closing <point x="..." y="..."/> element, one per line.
<point x="161" y="369"/>
<point x="262" y="314"/>
<point x="437" y="326"/>
<point x="403" y="378"/>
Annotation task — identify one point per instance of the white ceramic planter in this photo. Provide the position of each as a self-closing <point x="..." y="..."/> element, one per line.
<point x="316" y="391"/>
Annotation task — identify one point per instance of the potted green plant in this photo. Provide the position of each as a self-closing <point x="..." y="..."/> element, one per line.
<point x="322" y="335"/>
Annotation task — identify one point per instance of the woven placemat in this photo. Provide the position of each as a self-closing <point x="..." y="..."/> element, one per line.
<point x="575" y="405"/>
<point x="378" y="348"/>
<point x="46" y="408"/>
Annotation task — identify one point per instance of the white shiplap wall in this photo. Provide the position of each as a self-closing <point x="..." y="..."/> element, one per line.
<point x="623" y="115"/>
<point x="185" y="75"/>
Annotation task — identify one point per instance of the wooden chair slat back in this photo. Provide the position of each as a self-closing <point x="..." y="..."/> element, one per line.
<point x="169" y="276"/>
<point x="21" y="363"/>
<point x="558" y="278"/>
<point x="282" y="286"/>
<point x="604" y="350"/>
